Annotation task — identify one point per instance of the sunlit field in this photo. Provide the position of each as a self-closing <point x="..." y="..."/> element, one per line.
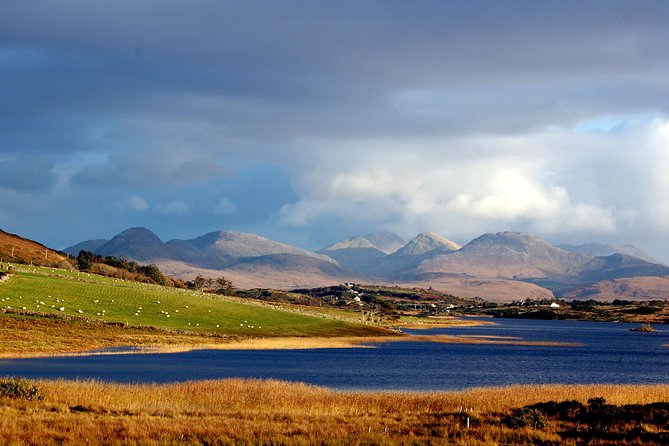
<point x="88" y="301"/>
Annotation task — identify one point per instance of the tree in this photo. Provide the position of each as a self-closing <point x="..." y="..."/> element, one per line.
<point x="84" y="260"/>
<point x="200" y="283"/>
<point x="152" y="273"/>
<point x="223" y="286"/>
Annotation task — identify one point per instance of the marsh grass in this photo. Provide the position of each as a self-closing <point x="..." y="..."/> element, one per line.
<point x="237" y="411"/>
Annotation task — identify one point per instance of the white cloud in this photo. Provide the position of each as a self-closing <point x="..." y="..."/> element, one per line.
<point x="552" y="182"/>
<point x="225" y="206"/>
<point x="658" y="205"/>
<point x="176" y="207"/>
<point x="134" y="203"/>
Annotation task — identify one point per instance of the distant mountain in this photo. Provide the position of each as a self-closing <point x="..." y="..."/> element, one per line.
<point x="387" y="242"/>
<point x="360" y="254"/>
<point x="277" y="271"/>
<point x="359" y="260"/>
<point x="222" y="253"/>
<point x="88" y="245"/>
<point x="427" y="242"/>
<point x="14" y="248"/>
<point x="290" y="262"/>
<point x="508" y="255"/>
<point x="215" y="249"/>
<point x="617" y="266"/>
<point x="422" y="247"/>
<point x="526" y="257"/>
<point x="241" y="245"/>
<point x="351" y="243"/>
<point x="501" y="266"/>
<point x="602" y="250"/>
<point x="136" y="244"/>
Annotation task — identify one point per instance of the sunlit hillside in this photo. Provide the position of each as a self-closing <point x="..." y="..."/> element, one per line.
<point x="14" y="248"/>
<point x="81" y="297"/>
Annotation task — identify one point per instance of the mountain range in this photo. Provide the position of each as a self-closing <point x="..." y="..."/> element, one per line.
<point x="502" y="266"/>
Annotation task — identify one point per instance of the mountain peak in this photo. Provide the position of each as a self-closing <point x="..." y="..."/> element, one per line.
<point x="387" y="242"/>
<point x="351" y="242"/>
<point x="139" y="232"/>
<point x="134" y="243"/>
<point x="520" y="242"/>
<point x="426" y="242"/>
<point x="240" y="244"/>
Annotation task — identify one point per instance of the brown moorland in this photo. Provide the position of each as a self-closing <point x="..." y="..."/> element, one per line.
<point x="14" y="248"/>
<point x="240" y="411"/>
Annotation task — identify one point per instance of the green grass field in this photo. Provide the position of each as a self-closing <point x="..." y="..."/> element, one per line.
<point x="55" y="291"/>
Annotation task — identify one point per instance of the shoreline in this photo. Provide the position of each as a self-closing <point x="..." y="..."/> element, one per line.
<point x="291" y="343"/>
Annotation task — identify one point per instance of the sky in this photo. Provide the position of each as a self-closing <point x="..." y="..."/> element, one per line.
<point x="312" y="121"/>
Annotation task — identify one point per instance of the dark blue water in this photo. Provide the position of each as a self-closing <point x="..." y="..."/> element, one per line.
<point x="610" y="353"/>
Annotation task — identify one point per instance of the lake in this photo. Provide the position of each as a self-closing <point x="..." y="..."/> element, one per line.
<point x="610" y="353"/>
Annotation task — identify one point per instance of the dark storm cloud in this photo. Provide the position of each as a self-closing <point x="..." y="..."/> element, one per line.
<point x="333" y="63"/>
<point x="27" y="174"/>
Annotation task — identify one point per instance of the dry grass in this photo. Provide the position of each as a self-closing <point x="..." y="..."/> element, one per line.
<point x="441" y="322"/>
<point x="271" y="412"/>
<point x="25" y="336"/>
<point x="14" y="248"/>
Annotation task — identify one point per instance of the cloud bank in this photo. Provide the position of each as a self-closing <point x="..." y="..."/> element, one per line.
<point x="313" y="121"/>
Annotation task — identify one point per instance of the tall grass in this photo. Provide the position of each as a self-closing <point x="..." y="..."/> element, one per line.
<point x="240" y="411"/>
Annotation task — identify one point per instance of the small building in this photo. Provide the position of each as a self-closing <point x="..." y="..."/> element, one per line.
<point x="554" y="305"/>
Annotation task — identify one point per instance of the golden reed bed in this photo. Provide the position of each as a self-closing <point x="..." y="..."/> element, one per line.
<point x="237" y="411"/>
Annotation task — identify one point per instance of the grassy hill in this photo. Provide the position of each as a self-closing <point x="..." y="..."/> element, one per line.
<point x="16" y="249"/>
<point x="77" y="296"/>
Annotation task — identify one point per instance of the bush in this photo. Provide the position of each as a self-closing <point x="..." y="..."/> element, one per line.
<point x="19" y="388"/>
<point x="526" y="416"/>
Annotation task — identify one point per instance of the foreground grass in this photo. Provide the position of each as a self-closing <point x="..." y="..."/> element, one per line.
<point x="271" y="412"/>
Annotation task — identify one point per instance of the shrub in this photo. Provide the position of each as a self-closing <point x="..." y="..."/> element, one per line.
<point x="526" y="416"/>
<point x="19" y="388"/>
